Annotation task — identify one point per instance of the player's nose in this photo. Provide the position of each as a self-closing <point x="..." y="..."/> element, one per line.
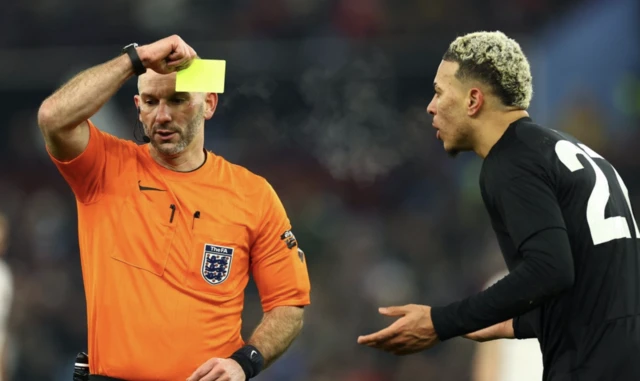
<point x="431" y="108"/>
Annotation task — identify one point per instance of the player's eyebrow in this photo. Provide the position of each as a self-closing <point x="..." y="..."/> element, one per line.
<point x="435" y="86"/>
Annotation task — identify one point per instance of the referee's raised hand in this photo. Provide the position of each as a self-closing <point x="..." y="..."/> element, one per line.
<point x="167" y="55"/>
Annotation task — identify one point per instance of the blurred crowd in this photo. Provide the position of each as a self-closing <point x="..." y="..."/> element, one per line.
<point x="383" y="215"/>
<point x="76" y="23"/>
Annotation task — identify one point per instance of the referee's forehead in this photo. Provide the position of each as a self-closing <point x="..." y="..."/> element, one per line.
<point x="157" y="84"/>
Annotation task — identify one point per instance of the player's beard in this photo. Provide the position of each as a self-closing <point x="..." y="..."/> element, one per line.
<point x="461" y="141"/>
<point x="185" y="136"/>
<point x="453" y="152"/>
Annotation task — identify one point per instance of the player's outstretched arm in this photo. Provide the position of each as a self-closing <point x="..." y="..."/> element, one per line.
<point x="411" y="333"/>
<point x="502" y="330"/>
<point x="526" y="202"/>
<point x="62" y="116"/>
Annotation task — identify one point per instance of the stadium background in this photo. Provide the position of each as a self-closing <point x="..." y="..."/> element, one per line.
<point x="326" y="99"/>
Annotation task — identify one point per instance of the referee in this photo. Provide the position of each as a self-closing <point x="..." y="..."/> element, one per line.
<point x="170" y="232"/>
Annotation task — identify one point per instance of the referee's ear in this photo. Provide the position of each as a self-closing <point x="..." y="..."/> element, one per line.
<point x="211" y="102"/>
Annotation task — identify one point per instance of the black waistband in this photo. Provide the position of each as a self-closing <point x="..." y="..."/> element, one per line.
<point x="94" y="377"/>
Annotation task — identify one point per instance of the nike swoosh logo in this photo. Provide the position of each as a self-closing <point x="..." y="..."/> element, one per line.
<point x="143" y="188"/>
<point x="253" y="353"/>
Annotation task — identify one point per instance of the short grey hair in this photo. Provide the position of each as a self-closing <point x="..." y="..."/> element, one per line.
<point x="496" y="60"/>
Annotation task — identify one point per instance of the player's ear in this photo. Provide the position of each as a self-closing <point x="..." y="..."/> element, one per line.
<point x="475" y="100"/>
<point x="210" y="104"/>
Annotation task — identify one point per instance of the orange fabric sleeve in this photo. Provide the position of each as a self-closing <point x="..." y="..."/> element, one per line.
<point x="87" y="172"/>
<point x="278" y="267"/>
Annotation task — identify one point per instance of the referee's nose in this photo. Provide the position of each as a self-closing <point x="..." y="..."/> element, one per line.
<point x="163" y="113"/>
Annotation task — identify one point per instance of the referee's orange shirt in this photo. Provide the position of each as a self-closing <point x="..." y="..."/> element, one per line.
<point x="166" y="257"/>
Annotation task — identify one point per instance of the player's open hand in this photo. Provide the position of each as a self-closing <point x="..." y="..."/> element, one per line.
<point x="412" y="333"/>
<point x="167" y="55"/>
<point x="218" y="369"/>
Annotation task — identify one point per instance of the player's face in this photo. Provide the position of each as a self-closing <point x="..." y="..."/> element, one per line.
<point x="448" y="110"/>
<point x="172" y="120"/>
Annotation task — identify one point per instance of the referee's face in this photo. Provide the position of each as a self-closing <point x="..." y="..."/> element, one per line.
<point x="172" y="120"/>
<point x="447" y="108"/>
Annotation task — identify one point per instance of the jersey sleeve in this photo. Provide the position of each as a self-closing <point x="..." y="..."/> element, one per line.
<point x="86" y="174"/>
<point x="526" y="326"/>
<point x="546" y="270"/>
<point x="522" y="193"/>
<point x="278" y="264"/>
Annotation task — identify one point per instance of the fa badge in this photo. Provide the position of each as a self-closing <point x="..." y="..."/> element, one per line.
<point x="216" y="263"/>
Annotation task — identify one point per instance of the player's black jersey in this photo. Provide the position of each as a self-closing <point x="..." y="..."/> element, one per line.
<point x="566" y="229"/>
<point x="536" y="179"/>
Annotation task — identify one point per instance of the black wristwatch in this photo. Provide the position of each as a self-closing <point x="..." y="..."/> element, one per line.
<point x="138" y="67"/>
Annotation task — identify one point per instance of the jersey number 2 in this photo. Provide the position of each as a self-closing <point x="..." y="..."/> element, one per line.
<point x="602" y="229"/>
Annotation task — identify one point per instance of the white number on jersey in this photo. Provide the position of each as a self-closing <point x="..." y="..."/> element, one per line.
<point x="602" y="229"/>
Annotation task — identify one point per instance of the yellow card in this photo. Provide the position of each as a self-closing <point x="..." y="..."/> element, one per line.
<point x="202" y="76"/>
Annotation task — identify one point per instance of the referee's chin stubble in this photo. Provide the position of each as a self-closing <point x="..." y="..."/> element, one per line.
<point x="183" y="136"/>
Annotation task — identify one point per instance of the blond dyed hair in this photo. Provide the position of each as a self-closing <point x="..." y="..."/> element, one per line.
<point x="496" y="60"/>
